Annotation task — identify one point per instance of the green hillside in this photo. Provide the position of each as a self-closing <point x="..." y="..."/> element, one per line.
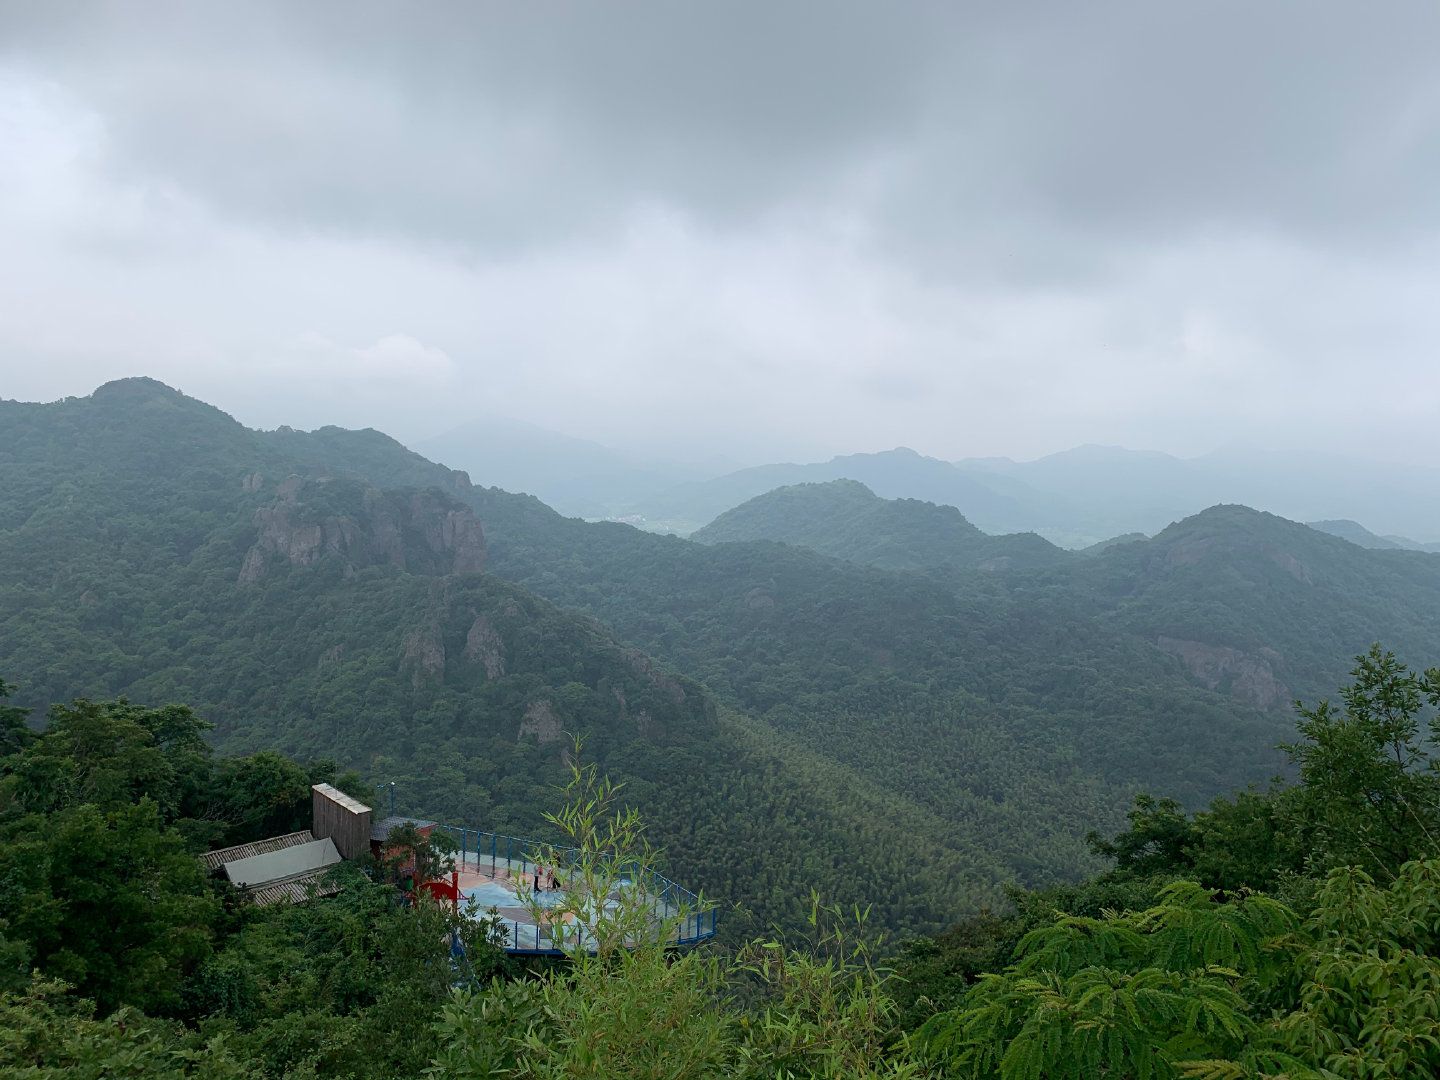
<point x="785" y="719"/>
<point x="893" y="473"/>
<point x="154" y="548"/>
<point x="846" y="519"/>
<point x="1263" y="609"/>
<point x="1273" y="596"/>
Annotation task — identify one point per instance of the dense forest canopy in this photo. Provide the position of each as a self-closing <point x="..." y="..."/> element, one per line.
<point x="1282" y="933"/>
<point x="917" y="733"/>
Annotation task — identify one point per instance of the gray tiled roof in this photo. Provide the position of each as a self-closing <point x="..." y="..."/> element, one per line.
<point x="381" y="829"/>
<point x="291" y="890"/>
<point x="213" y="860"/>
<point x="286" y="862"/>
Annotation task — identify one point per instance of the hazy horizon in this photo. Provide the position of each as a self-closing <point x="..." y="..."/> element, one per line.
<point x="721" y="460"/>
<point x="763" y="232"/>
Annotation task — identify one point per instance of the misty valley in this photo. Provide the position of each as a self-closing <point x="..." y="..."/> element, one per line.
<point x="719" y="541"/>
<point x="823" y="696"/>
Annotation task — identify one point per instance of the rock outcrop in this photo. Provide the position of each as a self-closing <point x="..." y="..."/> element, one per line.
<point x="311" y="520"/>
<point x="484" y="645"/>
<point x="541" y="723"/>
<point x="1245" y="677"/>
<point x="424" y="654"/>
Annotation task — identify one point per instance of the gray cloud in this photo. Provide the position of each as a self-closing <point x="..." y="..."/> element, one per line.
<point x="968" y="228"/>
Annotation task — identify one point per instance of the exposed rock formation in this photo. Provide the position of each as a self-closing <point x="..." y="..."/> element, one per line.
<point x="541" y="722"/>
<point x="645" y="667"/>
<point x="759" y="598"/>
<point x="311" y="520"/>
<point x="484" y="645"/>
<point x="1247" y="678"/>
<point x="425" y="653"/>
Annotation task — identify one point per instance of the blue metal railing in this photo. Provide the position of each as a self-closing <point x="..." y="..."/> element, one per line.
<point x="497" y="853"/>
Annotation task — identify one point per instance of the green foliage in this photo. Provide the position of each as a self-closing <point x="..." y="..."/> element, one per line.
<point x="826" y="1009"/>
<point x="1224" y="988"/>
<point x="108" y="900"/>
<point x="1370" y="787"/>
<point x="1145" y="994"/>
<point x="1366" y="1006"/>
<point x="46" y="1034"/>
<point x="1232" y="983"/>
<point x="624" y="1005"/>
<point x="15" y="730"/>
<point x="348" y="986"/>
<point x="410" y="857"/>
<point x="108" y="754"/>
<point x="1157" y="841"/>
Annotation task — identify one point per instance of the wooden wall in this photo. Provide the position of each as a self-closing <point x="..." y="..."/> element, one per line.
<point x="342" y="819"/>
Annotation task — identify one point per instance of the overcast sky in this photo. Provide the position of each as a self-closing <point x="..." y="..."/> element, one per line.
<point x="765" y="230"/>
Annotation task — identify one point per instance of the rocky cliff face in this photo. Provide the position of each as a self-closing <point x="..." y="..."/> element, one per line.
<point x="312" y="520"/>
<point x="1244" y="677"/>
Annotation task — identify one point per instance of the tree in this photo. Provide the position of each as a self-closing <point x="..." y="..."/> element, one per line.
<point x="1158" y="840"/>
<point x="350" y="985"/>
<point x="1369" y="788"/>
<point x="411" y="857"/>
<point x="108" y="900"/>
<point x="1159" y="993"/>
<point x="15" y="733"/>
<point x="625" y="1005"/>
<point x="265" y="794"/>
<point x="1370" y="977"/>
<point x="48" y="1034"/>
<point x="110" y="754"/>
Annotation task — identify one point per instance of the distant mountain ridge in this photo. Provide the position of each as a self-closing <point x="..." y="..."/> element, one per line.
<point x="578" y="477"/>
<point x="934" y="720"/>
<point x="1075" y="498"/>
<point x="844" y="518"/>
<point x="899" y="473"/>
<point x="1249" y="602"/>
<point x="1083" y="496"/>
<point x="1358" y="534"/>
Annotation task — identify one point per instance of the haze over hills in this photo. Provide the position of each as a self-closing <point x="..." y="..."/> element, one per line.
<point x="1075" y="498"/>
<point x="322" y="593"/>
<point x="1358" y="534"/>
<point x="1096" y="492"/>
<point x="914" y="732"/>
<point x="899" y="473"/>
<point x="846" y="519"/>
<point x="1244" y="599"/>
<point x="578" y="477"/>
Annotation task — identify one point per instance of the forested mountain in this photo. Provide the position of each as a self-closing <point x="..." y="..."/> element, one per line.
<point x="150" y="546"/>
<point x="1079" y="497"/>
<point x="320" y="594"/>
<point x="846" y="519"/>
<point x="786" y="719"/>
<point x="1242" y="596"/>
<point x="1358" y="534"/>
<point x="1261" y="608"/>
<point x="899" y="473"/>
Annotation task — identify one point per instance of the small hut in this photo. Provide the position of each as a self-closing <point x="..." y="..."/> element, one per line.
<point x="290" y="868"/>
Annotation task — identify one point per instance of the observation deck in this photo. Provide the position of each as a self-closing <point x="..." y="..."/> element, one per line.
<point x="491" y="866"/>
